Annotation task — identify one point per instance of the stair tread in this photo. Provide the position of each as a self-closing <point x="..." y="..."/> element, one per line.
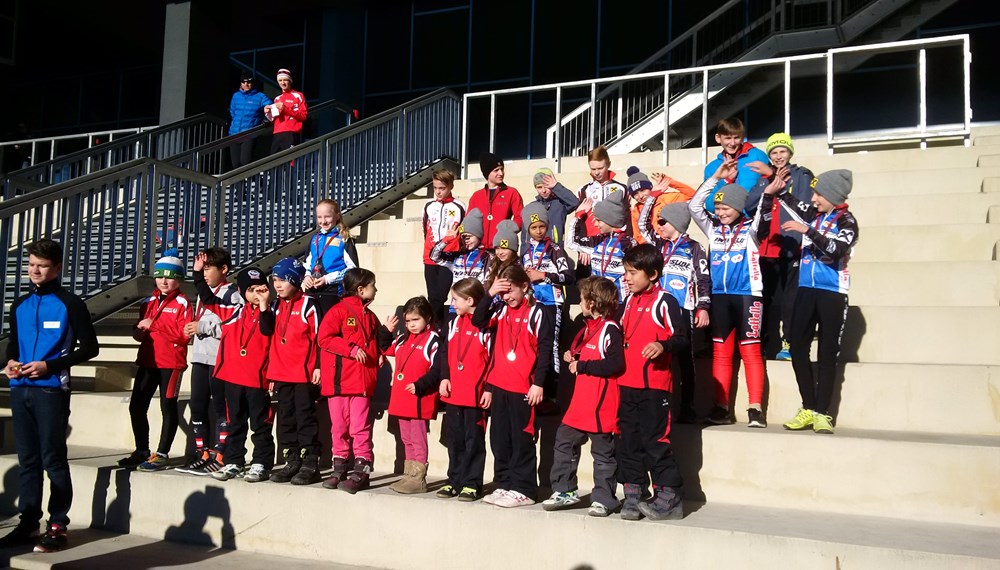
<point x="775" y="429"/>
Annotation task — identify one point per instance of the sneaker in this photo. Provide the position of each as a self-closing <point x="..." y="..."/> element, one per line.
<point x="719" y="416"/>
<point x="229" y="471"/>
<point x="561" y="501"/>
<point x="156" y="462"/>
<point x="23" y="533"/>
<point x="53" y="540"/>
<point x="756" y="418"/>
<point x="802" y="420"/>
<point x="256" y="474"/>
<point x="491" y="499"/>
<point x="134" y="460"/>
<point x="598" y="510"/>
<point x="512" y="499"/>
<point x="214" y="465"/>
<point x="784" y="353"/>
<point x="822" y="423"/>
<point x="468" y="495"/>
<point x="197" y="464"/>
<point x="447" y="492"/>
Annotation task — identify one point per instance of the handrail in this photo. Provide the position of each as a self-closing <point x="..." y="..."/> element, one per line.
<point x="921" y="132"/>
<point x="89" y="136"/>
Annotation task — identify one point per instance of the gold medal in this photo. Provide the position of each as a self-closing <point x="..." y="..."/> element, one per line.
<point x="511" y="356"/>
<point x="243" y="352"/>
<point x="399" y="377"/>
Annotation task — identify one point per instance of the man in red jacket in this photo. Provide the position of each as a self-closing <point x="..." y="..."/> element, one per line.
<point x="288" y="112"/>
<point x="495" y="200"/>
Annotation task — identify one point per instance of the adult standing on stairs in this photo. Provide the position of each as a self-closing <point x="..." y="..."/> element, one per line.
<point x="288" y="112"/>
<point x="50" y="331"/>
<point x="246" y="111"/>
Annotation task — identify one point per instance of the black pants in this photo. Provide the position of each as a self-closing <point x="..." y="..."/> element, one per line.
<point x="554" y="315"/>
<point x="281" y="141"/>
<point x="253" y="404"/>
<point x="685" y="365"/>
<point x="512" y="437"/>
<point x="298" y="428"/>
<point x="828" y="310"/>
<point x="241" y="153"/>
<point x="147" y="380"/>
<point x="643" y="446"/>
<point x="41" y="419"/>
<point x="566" y="460"/>
<point x="208" y="393"/>
<point x="325" y="299"/>
<point x="465" y="430"/>
<point x="438" y="280"/>
<point x="781" y="280"/>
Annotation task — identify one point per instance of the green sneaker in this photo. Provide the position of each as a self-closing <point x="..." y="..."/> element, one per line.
<point x="156" y="462"/>
<point x="802" y="420"/>
<point x="447" y="492"/>
<point x="822" y="423"/>
<point x="785" y="353"/>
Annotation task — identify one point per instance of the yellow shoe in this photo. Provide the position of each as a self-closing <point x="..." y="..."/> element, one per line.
<point x="802" y="420"/>
<point x="822" y="423"/>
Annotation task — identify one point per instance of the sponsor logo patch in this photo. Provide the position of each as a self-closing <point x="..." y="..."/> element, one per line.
<point x="351" y="322"/>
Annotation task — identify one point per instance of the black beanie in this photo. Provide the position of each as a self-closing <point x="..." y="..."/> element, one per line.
<point x="488" y="161"/>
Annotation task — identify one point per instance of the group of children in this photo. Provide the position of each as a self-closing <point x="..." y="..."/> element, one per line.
<point x="494" y="357"/>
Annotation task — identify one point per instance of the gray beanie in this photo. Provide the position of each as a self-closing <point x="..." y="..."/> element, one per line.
<point x="637" y="181"/>
<point x="534" y="212"/>
<point x="472" y="224"/>
<point x="834" y="185"/>
<point x="732" y="195"/>
<point x="540" y="175"/>
<point x="611" y="210"/>
<point x="677" y="215"/>
<point x="506" y="236"/>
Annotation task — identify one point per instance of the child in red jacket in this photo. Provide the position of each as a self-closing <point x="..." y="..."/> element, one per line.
<point x="162" y="359"/>
<point x="351" y="342"/>
<point x="597" y="357"/>
<point x="414" y="396"/>
<point x="463" y="378"/>
<point x="521" y="361"/>
<point x="292" y="322"/>
<point x="653" y="330"/>
<point x="495" y="200"/>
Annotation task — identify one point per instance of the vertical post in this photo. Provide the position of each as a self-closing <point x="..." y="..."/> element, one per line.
<point x="788" y="96"/>
<point x="621" y="87"/>
<point x="666" y="118"/>
<point x="493" y="119"/>
<point x="829" y="101"/>
<point x="704" y="116"/>
<point x="558" y="129"/>
<point x="465" y="134"/>
<point x="922" y="71"/>
<point x="593" y="119"/>
<point x="966" y="68"/>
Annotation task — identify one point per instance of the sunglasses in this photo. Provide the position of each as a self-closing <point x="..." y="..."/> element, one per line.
<point x="247" y="81"/>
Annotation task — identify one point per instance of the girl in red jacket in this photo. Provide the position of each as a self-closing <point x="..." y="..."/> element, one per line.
<point x="292" y="322"/>
<point x="597" y="357"/>
<point x="515" y="378"/>
<point x="463" y="378"/>
<point x="162" y="359"/>
<point x="351" y="342"/>
<point x="414" y="396"/>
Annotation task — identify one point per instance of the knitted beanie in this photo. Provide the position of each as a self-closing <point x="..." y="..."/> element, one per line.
<point x="732" y="195"/>
<point x="472" y="223"/>
<point x="540" y="175"/>
<point x="284" y="74"/>
<point x="834" y="185"/>
<point x="169" y="266"/>
<point x="506" y="236"/>
<point x="780" y="139"/>
<point x="289" y="269"/>
<point x="488" y="161"/>
<point x="534" y="212"/>
<point x="637" y="181"/>
<point x="611" y="210"/>
<point x="250" y="278"/>
<point x="677" y="215"/>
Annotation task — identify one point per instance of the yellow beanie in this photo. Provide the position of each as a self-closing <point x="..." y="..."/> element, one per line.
<point x="780" y="139"/>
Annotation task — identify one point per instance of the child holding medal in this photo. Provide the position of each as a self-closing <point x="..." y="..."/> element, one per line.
<point x="331" y="254"/>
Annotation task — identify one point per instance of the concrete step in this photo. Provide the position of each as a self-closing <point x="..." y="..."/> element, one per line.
<point x="715" y="534"/>
<point x="98" y="549"/>
<point x="986" y="140"/>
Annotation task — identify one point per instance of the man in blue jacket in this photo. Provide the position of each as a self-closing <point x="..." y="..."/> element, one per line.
<point x="246" y="110"/>
<point x="50" y="331"/>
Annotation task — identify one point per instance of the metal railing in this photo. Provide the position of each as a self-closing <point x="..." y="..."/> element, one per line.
<point x="113" y="224"/>
<point x="919" y="130"/>
<point x="47" y="148"/>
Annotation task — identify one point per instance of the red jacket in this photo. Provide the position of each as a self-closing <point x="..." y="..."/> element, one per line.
<point x="518" y="332"/>
<point x="347" y="327"/>
<point x="293" y="325"/>
<point x="469" y="346"/>
<point x="243" y="349"/>
<point x="164" y="345"/>
<point x="293" y="113"/>
<point x="599" y="351"/>
<point x="417" y="362"/>
<point x="506" y="204"/>
<point x="652" y="315"/>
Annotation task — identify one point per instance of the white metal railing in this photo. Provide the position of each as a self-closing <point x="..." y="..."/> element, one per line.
<point x="51" y="143"/>
<point x="919" y="132"/>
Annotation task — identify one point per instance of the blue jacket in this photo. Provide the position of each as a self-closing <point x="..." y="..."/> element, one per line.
<point x="46" y="325"/>
<point x="732" y="250"/>
<point x="744" y="176"/>
<point x="247" y="110"/>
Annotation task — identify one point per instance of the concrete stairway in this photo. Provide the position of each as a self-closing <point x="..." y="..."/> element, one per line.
<point x="909" y="479"/>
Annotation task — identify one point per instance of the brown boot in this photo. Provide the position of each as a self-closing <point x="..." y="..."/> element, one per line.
<point x="417" y="480"/>
<point x="403" y="483"/>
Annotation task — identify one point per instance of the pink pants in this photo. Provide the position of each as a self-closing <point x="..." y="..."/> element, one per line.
<point x="414" y="436"/>
<point x="351" y="427"/>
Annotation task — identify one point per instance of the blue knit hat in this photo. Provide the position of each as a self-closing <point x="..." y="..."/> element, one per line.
<point x="289" y="269"/>
<point x="169" y="265"/>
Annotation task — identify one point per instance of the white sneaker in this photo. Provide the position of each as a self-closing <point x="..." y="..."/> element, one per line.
<point x="230" y="471"/>
<point x="256" y="474"/>
<point x="513" y="499"/>
<point x="491" y="499"/>
<point x="598" y="510"/>
<point x="561" y="501"/>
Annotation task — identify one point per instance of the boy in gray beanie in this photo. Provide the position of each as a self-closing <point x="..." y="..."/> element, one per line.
<point x="829" y="234"/>
<point x="556" y="199"/>
<point x="461" y="249"/>
<point x="607" y="249"/>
